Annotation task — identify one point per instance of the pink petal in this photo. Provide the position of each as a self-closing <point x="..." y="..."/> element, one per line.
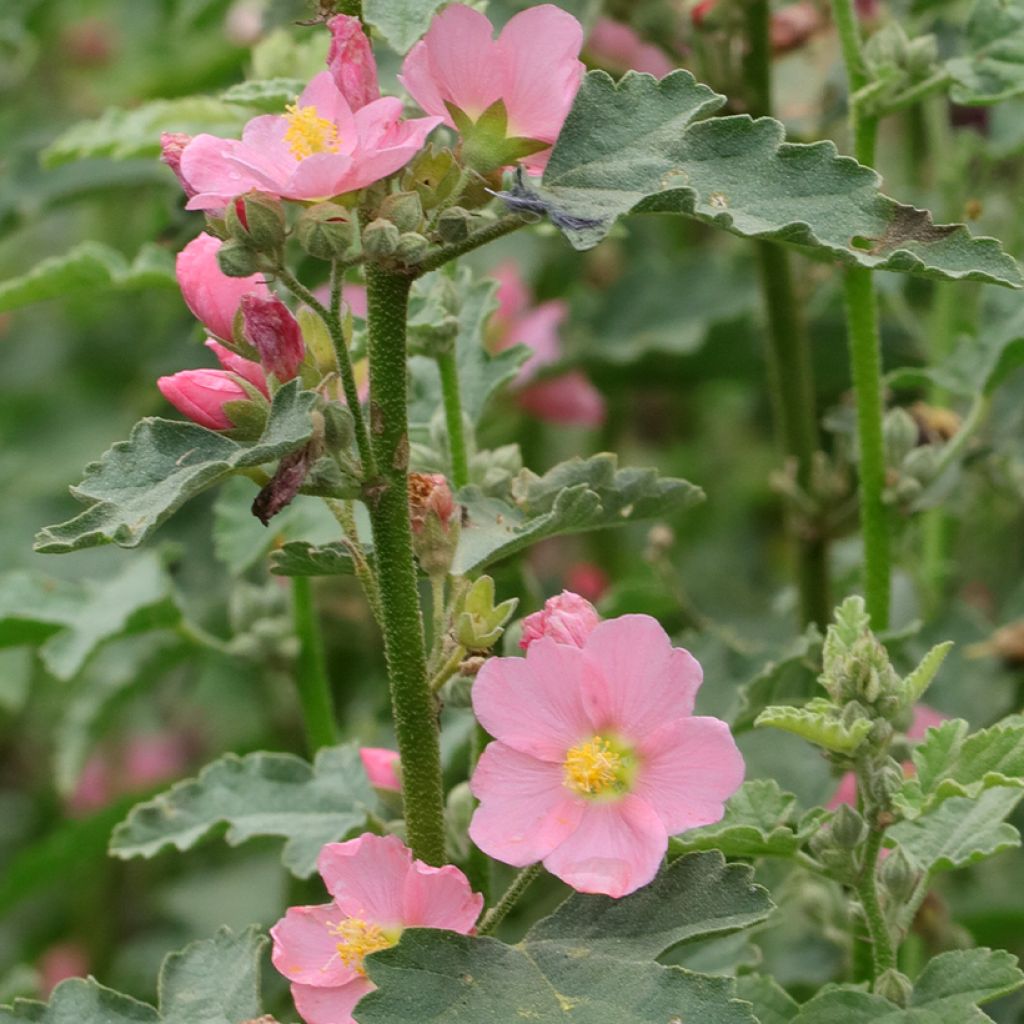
<point x="617" y="46"/>
<point x="570" y="399"/>
<point x="846" y="792"/>
<point x="513" y="293"/>
<point x="263" y="138"/>
<point x="330" y="1005"/>
<point x="207" y="165"/>
<point x="617" y="848"/>
<point x="525" y="810"/>
<point x="381" y="767"/>
<point x="538" y="330"/>
<point x="688" y="769"/>
<point x="366" y="876"/>
<point x="378" y="121"/>
<point x="305" y="951"/>
<point x="320" y="176"/>
<point x="245" y="368"/>
<point x="440" y="898"/>
<point x="535" y="704"/>
<point x="331" y="105"/>
<point x="540" y="37"/>
<point x="418" y="80"/>
<point x="925" y="718"/>
<point x="640" y="681"/>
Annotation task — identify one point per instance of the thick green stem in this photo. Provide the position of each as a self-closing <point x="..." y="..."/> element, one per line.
<point x="883" y="952"/>
<point x="387" y="497"/>
<point x="453" y="418"/>
<point x="311" y="669"/>
<point x="511" y="896"/>
<point x="790" y="370"/>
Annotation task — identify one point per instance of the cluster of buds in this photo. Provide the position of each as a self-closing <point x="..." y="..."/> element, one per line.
<point x="914" y="442"/>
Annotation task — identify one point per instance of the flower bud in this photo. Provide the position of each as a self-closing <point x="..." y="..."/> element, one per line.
<point x="435" y="522"/>
<point x="848" y="828"/>
<point x="895" y="986"/>
<point x="339" y="428"/>
<point x="899" y="875"/>
<point x="411" y="247"/>
<point x="270" y="328"/>
<point x="380" y="239"/>
<point x="172" y="145"/>
<point x="453" y="225"/>
<point x="206" y="397"/>
<point x="403" y="209"/>
<point x="329" y="231"/>
<point x="257" y="220"/>
<point x="700" y="11"/>
<point x="566" y="618"/>
<point x="382" y="767"/>
<point x="234" y="363"/>
<point x="884" y="781"/>
<point x="479" y="622"/>
<point x="901" y="436"/>
<point x="236" y="259"/>
<point x="351" y="63"/>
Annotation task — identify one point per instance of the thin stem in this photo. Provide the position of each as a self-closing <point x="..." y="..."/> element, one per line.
<point x="453" y="417"/>
<point x="440" y="256"/>
<point x="922" y="90"/>
<point x="847" y="25"/>
<point x="437" y="610"/>
<point x="344" y="513"/>
<point x="448" y="669"/>
<point x="498" y="912"/>
<point x="195" y="634"/>
<point x="883" y="952"/>
<point x="413" y="705"/>
<point x="311" y="669"/>
<point x="348" y="380"/>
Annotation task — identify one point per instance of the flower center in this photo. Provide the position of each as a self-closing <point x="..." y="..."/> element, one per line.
<point x="359" y="939"/>
<point x="308" y="132"/>
<point x="599" y="767"/>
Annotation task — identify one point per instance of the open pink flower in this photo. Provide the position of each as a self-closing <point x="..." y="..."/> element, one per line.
<point x="320" y="148"/>
<point x="597" y="757"/>
<point x="533" y="68"/>
<point x="566" y="618"/>
<point x="379" y="890"/>
<point x="381" y="766"/>
<point x="212" y="296"/>
<point x="617" y="46"/>
<point x="202" y="394"/>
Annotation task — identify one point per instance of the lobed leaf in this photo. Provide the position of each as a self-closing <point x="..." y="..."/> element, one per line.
<point x="80" y="1001"/>
<point x="139" y="483"/>
<point x="970" y="977"/>
<point x="638" y="145"/>
<point x="270" y="95"/>
<point x="400" y="22"/>
<point x="261" y="794"/>
<point x="817" y="723"/>
<point x="772" y="1003"/>
<point x="993" y="68"/>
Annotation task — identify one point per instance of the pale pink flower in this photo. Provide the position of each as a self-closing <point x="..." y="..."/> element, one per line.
<point x="268" y="325"/>
<point x="320" y="148"/>
<point x="212" y="296"/>
<point x="234" y="363"/>
<point x="350" y="60"/>
<point x="533" y="68"/>
<point x="597" y="757"/>
<point x="381" y="767"/>
<point x="202" y="394"/>
<point x="566" y="618"/>
<point x="617" y="46"/>
<point x="379" y="890"/>
<point x="61" y="961"/>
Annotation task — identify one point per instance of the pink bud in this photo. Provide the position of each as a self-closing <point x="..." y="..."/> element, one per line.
<point x="381" y="767"/>
<point x="566" y="618"/>
<point x="618" y="47"/>
<point x="156" y="757"/>
<point x="234" y="363"/>
<point x="201" y="395"/>
<point x="172" y="145"/>
<point x="429" y="495"/>
<point x="587" y="580"/>
<point x="351" y="63"/>
<point x="211" y="295"/>
<point x="699" y="14"/>
<point x="60" y="962"/>
<point x="272" y="330"/>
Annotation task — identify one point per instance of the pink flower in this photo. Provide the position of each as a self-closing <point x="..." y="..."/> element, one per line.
<point x="566" y="618"/>
<point x="597" y="757"/>
<point x="96" y="787"/>
<point x="617" y="46"/>
<point x="212" y="296"/>
<point x="320" y="148"/>
<point x="533" y="68"/>
<point x="234" y="363"/>
<point x="60" y="962"/>
<point x="201" y="395"/>
<point x="569" y="398"/>
<point x="381" y="767"/>
<point x="379" y="890"/>
<point x="151" y="758"/>
<point x="268" y="325"/>
<point x="350" y="61"/>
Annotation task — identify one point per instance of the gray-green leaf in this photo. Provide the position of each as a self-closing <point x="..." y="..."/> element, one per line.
<point x="993" y="68"/>
<point x="400" y="22"/>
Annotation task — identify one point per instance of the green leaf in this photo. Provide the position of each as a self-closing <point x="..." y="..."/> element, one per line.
<point x="400" y="22"/>
<point x="573" y="497"/>
<point x="993" y="69"/>
<point x="77" y="618"/>
<point x="772" y="1003"/>
<point x="855" y="1006"/>
<point x="758" y="822"/>
<point x="817" y="723"/>
<point x="591" y="962"/>
<point x="88" y="268"/>
<point x="961" y="831"/>
<point x="261" y="794"/>
<point x="270" y="95"/>
<point x="300" y="558"/>
<point x="969" y="977"/>
<point x="80" y="1001"/>
<point x="915" y="685"/>
<point x="214" y="981"/>
<point x="124" y="134"/>
<point x="637" y="145"/>
<point x="139" y="483"/>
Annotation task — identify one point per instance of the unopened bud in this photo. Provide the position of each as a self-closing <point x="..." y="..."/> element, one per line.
<point x="479" y="622"/>
<point x="895" y="986"/>
<point x="339" y="429"/>
<point x="901" y="435"/>
<point x="411" y="247"/>
<point x="848" y="828"/>
<point x="453" y="225"/>
<point x="268" y="325"/>
<point x="172" y="145"/>
<point x="257" y="220"/>
<point x="435" y="521"/>
<point x="381" y="238"/>
<point x="403" y="209"/>
<point x="898" y="874"/>
<point x="238" y="260"/>
<point x="565" y="618"/>
<point x="884" y="782"/>
<point x="329" y="231"/>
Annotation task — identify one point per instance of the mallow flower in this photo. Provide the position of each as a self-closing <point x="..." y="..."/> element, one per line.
<point x="378" y="890"/>
<point x="509" y="97"/>
<point x="597" y="757"/>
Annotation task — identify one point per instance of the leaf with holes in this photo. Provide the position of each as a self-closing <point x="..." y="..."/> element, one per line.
<point x="641" y="145"/>
<point x="139" y="483"/>
<point x="261" y="794"/>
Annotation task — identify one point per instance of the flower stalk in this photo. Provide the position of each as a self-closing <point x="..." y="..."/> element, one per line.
<point x="449" y="370"/>
<point x="311" y="669"/>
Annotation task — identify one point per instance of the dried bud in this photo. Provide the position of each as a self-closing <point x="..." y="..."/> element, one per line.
<point x="257" y="220"/>
<point x="172" y="145"/>
<point x="479" y="622"/>
<point x="566" y="618"/>
<point x="435" y="521"/>
<point x="453" y="225"/>
<point x="381" y="238"/>
<point x="934" y="423"/>
<point x="403" y="209"/>
<point x="329" y="231"/>
<point x="270" y="328"/>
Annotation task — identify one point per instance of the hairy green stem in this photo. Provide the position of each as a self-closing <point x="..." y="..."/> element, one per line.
<point x="448" y="669"/>
<point x="882" y="949"/>
<point x="387" y="498"/>
<point x="511" y="896"/>
<point x="311" y="669"/>
<point x="443" y="254"/>
<point x="453" y="417"/>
